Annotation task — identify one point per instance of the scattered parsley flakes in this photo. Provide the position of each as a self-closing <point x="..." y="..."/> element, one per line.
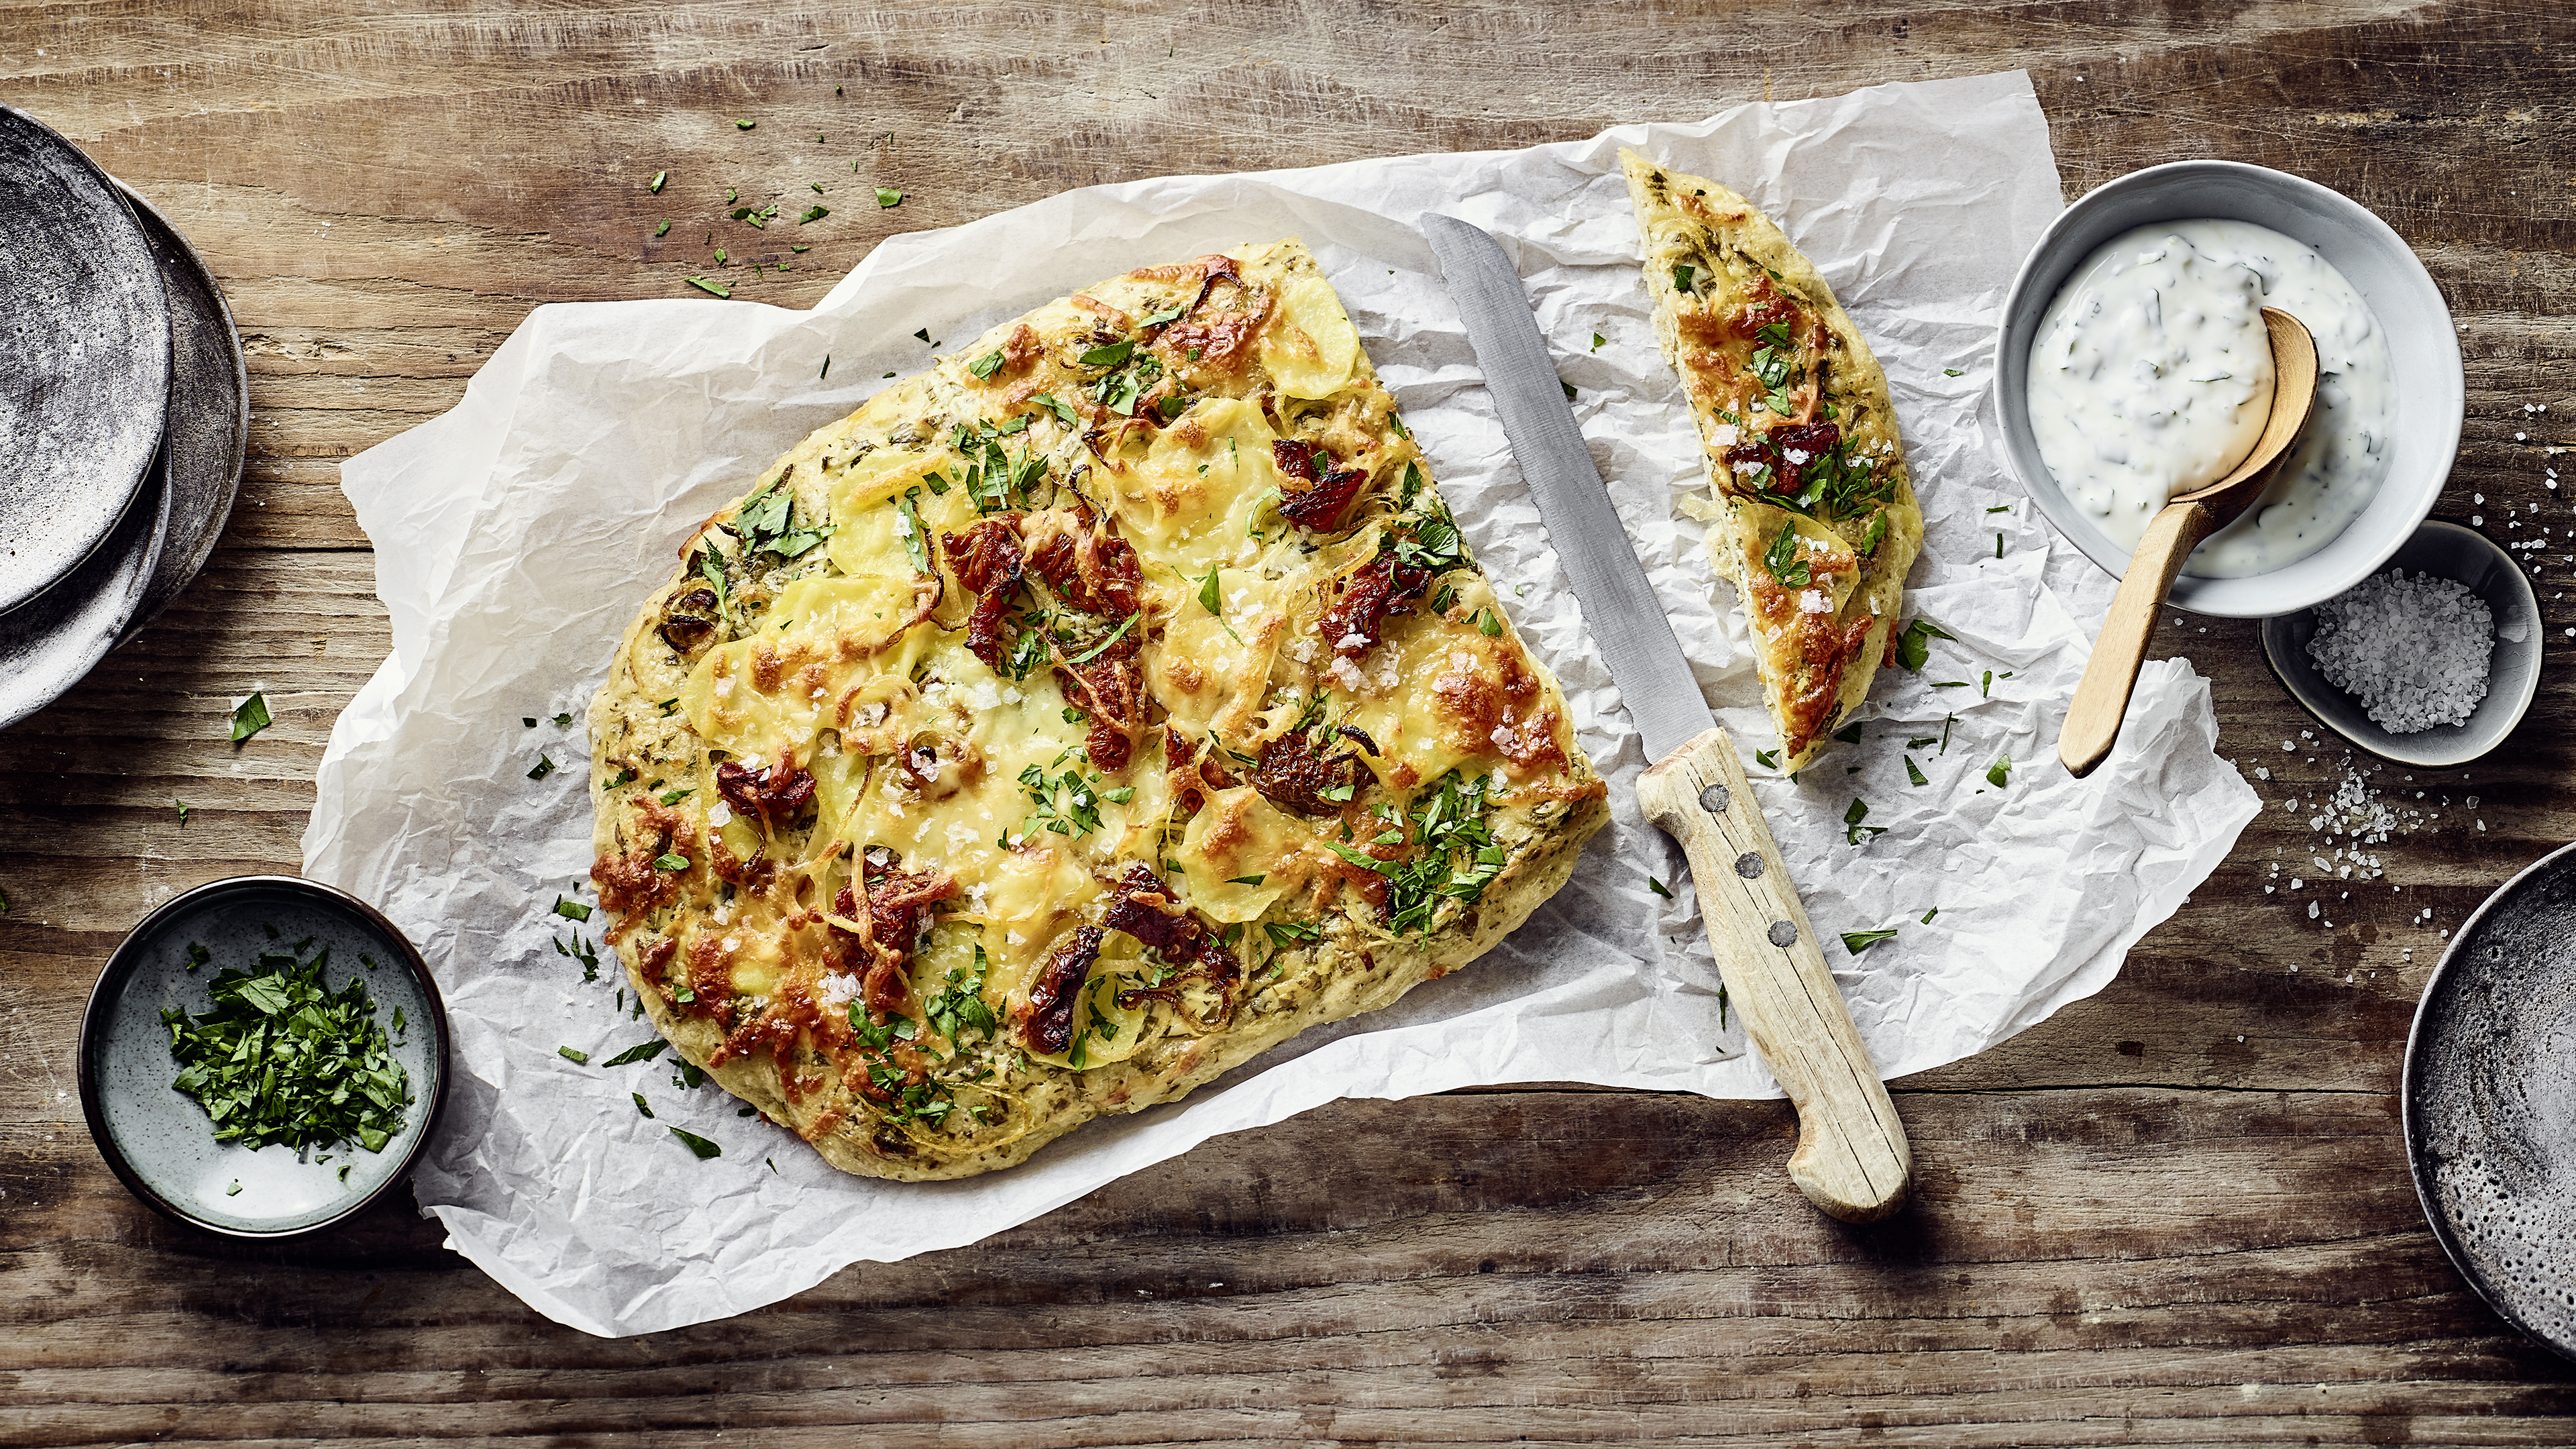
<point x="1855" y="833"/>
<point x="986" y="365"/>
<point x="282" y="1058"/>
<point x="545" y="767"/>
<point x="1849" y="734"/>
<point x="827" y="364"/>
<point x="528" y="720"/>
<point x="1682" y="276"/>
<point x="1658" y="888"/>
<point x="1952" y="372"/>
<point x="1597" y="340"/>
<point x="571" y="910"/>
<point x="744" y="125"/>
<point x="1928" y="915"/>
<point x="1914" y="646"/>
<point x="888" y="197"/>
<point x="1250" y="880"/>
<point x="234" y="1190"/>
<point x="1914" y="772"/>
<point x="1569" y="388"/>
<point x="183" y="808"/>
<point x="641" y="1105"/>
<point x="577" y="1058"/>
<point x="1999" y="774"/>
<point x="250" y="716"/>
<point x="670" y="861"/>
<point x="664" y="229"/>
<point x="642" y="1051"/>
<point x="1767" y="759"/>
<point x="698" y="1144"/>
<point x="814" y="213"/>
<point x="1858" y="941"/>
<point x="659" y="177"/>
<point x="710" y="288"/>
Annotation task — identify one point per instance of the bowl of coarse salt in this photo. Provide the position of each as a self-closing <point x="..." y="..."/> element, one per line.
<point x="2430" y="661"/>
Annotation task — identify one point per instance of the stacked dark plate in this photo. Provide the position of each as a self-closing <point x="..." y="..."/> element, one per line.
<point x="124" y="411"/>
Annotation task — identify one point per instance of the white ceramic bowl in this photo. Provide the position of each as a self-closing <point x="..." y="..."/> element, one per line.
<point x="2424" y="354"/>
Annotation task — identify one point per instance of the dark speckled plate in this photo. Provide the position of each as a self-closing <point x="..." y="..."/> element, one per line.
<point x="209" y="419"/>
<point x="2490" y="1100"/>
<point x="84" y="358"/>
<point x="161" y="1143"/>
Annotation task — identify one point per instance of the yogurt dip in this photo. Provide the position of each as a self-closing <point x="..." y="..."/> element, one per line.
<point x="2151" y="376"/>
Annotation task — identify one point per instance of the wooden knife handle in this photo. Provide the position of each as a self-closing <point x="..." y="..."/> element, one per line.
<point x="1851" y="1160"/>
<point x="2111" y="675"/>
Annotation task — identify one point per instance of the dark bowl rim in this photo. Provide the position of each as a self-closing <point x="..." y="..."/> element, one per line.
<point x="121" y="964"/>
<point x="2410" y="1120"/>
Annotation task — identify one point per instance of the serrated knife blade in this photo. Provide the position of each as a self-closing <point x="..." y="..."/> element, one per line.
<point x="1619" y="607"/>
<point x="1852" y="1160"/>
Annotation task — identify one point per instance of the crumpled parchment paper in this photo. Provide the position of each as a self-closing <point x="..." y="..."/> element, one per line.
<point x="516" y="535"/>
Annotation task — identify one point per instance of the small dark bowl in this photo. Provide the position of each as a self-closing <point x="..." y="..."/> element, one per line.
<point x="2490" y="1100"/>
<point x="161" y="1143"/>
<point x="2446" y="551"/>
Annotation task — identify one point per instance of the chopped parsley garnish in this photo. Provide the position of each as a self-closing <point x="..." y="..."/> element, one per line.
<point x="577" y="1058"/>
<point x="744" y="125"/>
<point x="1914" y="646"/>
<point x="660" y="177"/>
<point x="766" y="523"/>
<point x="1928" y="915"/>
<point x="1858" y="941"/>
<point x="1786" y="561"/>
<point x="643" y="1051"/>
<point x="959" y="1007"/>
<point x="710" y="288"/>
<point x="1285" y="935"/>
<point x="1063" y="410"/>
<point x="544" y="767"/>
<point x="1124" y="625"/>
<point x="1767" y="759"/>
<point x="697" y="1144"/>
<point x="814" y="213"/>
<point x="1849" y="734"/>
<point x="1854" y="832"/>
<point x="1597" y="340"/>
<point x="250" y="716"/>
<point x="1914" y="772"/>
<point x="1067" y="804"/>
<point x="282" y="1058"/>
<point x="1108" y="354"/>
<point x="986" y="365"/>
<point x="664" y="229"/>
<point x="564" y="718"/>
<point x="640" y="1104"/>
<point x="1658" y="888"/>
<point x="887" y="196"/>
<point x="670" y="861"/>
<point x="1952" y="372"/>
<point x="1489" y="623"/>
<point x="1999" y="773"/>
<point x="1986" y="684"/>
<point x="1569" y="388"/>
<point x="183" y="808"/>
<point x="571" y="910"/>
<point x="1250" y="880"/>
<point x="916" y="539"/>
<point x="529" y="720"/>
<point x="1454" y="855"/>
<point x="1682" y="276"/>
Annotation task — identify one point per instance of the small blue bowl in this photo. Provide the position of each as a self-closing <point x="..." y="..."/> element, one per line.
<point x="160" y="1142"/>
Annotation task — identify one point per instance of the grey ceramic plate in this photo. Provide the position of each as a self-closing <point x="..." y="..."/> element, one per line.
<point x="84" y="358"/>
<point x="161" y="1143"/>
<point x="52" y="641"/>
<point x="2490" y="1100"/>
<point x="208" y="428"/>
<point x="2448" y="551"/>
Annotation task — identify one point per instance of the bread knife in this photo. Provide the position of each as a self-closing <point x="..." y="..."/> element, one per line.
<point x="1851" y="1159"/>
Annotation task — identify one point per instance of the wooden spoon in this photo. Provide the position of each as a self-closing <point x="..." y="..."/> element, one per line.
<point x="2102" y="697"/>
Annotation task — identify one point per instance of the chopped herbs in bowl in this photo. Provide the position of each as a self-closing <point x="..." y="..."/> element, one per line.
<point x="263" y="1057"/>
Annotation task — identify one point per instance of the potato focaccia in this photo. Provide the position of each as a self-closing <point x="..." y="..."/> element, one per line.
<point x="1069" y="724"/>
<point x="1815" y="521"/>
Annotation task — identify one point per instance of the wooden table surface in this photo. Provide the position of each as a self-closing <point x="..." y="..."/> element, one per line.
<point x="2176" y="1213"/>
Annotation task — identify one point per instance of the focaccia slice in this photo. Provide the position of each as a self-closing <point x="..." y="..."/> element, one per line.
<point x="1071" y="723"/>
<point x="1814" y="519"/>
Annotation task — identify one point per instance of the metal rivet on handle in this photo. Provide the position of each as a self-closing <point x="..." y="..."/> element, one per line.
<point x="1714" y="799"/>
<point x="1749" y="865"/>
<point x="1783" y="934"/>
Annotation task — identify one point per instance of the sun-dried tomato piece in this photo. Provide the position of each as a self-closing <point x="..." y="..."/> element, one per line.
<point x="1331" y="489"/>
<point x="988" y="560"/>
<point x="1145" y="909"/>
<point x="773" y="794"/>
<point x="890" y="918"/>
<point x="1048" y="1028"/>
<point x="1110" y="688"/>
<point x="1382" y="586"/>
<point x="1195" y="771"/>
<point x="1088" y="567"/>
<point x="1296" y="775"/>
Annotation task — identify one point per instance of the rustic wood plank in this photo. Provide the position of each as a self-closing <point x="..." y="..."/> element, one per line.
<point x="2176" y="1213"/>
